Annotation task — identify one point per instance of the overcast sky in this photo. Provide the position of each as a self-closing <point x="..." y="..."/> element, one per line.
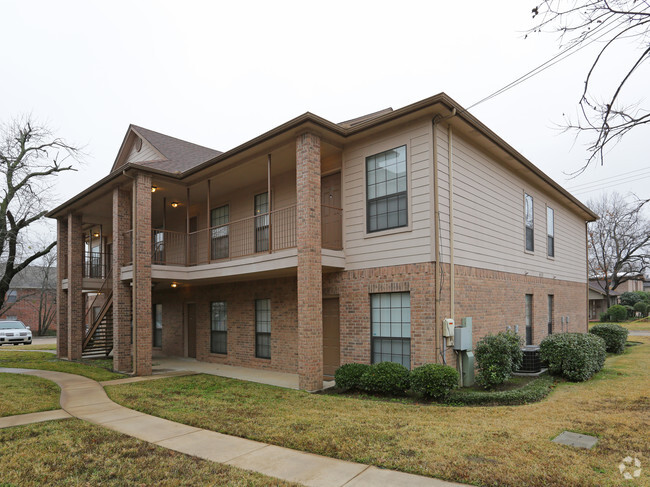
<point x="221" y="73"/>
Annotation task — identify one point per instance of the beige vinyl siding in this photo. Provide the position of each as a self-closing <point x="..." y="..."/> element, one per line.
<point x="489" y="220"/>
<point x="398" y="246"/>
<point x="146" y="153"/>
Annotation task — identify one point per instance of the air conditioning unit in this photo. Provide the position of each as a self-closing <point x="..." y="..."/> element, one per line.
<point x="531" y="364"/>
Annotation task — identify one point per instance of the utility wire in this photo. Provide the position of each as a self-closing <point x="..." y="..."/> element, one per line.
<point x="579" y="186"/>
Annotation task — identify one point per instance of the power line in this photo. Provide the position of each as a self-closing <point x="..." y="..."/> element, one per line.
<point x="613" y="179"/>
<point x="604" y="186"/>
<point x="577" y="186"/>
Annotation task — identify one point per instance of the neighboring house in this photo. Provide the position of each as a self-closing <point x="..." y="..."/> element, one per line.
<point x="317" y="244"/>
<point x="30" y="290"/>
<point x="598" y="299"/>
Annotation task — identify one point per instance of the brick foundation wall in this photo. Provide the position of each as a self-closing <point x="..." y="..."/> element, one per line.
<point x="240" y="298"/>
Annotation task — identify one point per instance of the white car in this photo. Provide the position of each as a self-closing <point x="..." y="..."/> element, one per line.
<point x="15" y="332"/>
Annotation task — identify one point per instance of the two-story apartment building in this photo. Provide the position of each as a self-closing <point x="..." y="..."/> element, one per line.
<point x="317" y="244"/>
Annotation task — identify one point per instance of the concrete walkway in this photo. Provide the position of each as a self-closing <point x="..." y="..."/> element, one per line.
<point x="85" y="399"/>
<point x="639" y="333"/>
<point x="29" y="418"/>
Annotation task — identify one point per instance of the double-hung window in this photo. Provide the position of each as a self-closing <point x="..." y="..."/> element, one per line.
<point x="12" y="296"/>
<point x="262" y="222"/>
<point x="550" y="232"/>
<point x="390" y="316"/>
<point x="386" y="190"/>
<point x="263" y="328"/>
<point x="218" y="327"/>
<point x="529" y="220"/>
<point x="219" y="219"/>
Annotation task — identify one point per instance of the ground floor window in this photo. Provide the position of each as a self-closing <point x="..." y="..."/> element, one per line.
<point x="263" y="328"/>
<point x="391" y="328"/>
<point x="529" y="319"/>
<point x="157" y="325"/>
<point x="218" y="327"/>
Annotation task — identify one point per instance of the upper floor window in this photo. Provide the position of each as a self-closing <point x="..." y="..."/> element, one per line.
<point x="386" y="205"/>
<point x="219" y="219"/>
<point x="530" y="234"/>
<point x="550" y="232"/>
<point x="12" y="296"/>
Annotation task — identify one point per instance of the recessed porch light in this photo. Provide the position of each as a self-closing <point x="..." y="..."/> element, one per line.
<point x="175" y="204"/>
<point x="154" y="188"/>
<point x="174" y="284"/>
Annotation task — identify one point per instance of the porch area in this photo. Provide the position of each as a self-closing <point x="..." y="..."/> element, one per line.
<point x="166" y="364"/>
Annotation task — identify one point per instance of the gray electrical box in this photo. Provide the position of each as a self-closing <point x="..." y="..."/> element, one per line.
<point x="467" y="359"/>
<point x="463" y="335"/>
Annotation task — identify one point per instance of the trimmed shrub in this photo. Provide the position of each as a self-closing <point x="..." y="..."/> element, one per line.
<point x="348" y="376"/>
<point x="604" y="317"/>
<point x="575" y="356"/>
<point x="615" y="336"/>
<point x="434" y="381"/>
<point x="617" y="313"/>
<point x="532" y="392"/>
<point x="497" y="357"/>
<point x="385" y="378"/>
<point x="641" y="307"/>
<point x="630" y="311"/>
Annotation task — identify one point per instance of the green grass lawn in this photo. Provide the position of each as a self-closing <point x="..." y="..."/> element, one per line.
<point x="72" y="452"/>
<point x="23" y="394"/>
<point x="637" y="325"/>
<point x="506" y="446"/>
<point x="45" y="346"/>
<point x="93" y="369"/>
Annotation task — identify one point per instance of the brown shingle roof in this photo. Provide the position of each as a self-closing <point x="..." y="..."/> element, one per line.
<point x="180" y="155"/>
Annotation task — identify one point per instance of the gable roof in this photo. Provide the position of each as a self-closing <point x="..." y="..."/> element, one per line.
<point x="32" y="277"/>
<point x="177" y="155"/>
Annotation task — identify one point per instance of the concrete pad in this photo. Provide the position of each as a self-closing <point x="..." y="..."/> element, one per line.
<point x="575" y="439"/>
<point x="305" y="468"/>
<point x="211" y="445"/>
<point x="20" y="419"/>
<point x="374" y="476"/>
<point x="150" y="428"/>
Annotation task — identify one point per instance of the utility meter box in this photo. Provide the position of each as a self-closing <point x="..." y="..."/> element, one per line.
<point x="462" y="338"/>
<point x="448" y="328"/>
<point x="467" y="359"/>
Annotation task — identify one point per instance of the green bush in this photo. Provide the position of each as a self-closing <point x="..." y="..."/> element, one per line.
<point x="630" y="311"/>
<point x="385" y="378"/>
<point x="641" y="307"/>
<point x="532" y="392"/>
<point x="434" y="381"/>
<point x="630" y="298"/>
<point x="615" y="336"/>
<point x="617" y="313"/>
<point x="604" y="318"/>
<point x="497" y="357"/>
<point x="348" y="376"/>
<point x="575" y="356"/>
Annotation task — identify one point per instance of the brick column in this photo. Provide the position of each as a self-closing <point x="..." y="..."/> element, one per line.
<point x="142" y="312"/>
<point x="310" y="281"/>
<point x="122" y="360"/>
<point x="75" y="297"/>
<point x="61" y="294"/>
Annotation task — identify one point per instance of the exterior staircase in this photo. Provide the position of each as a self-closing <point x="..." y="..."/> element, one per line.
<point x="98" y="340"/>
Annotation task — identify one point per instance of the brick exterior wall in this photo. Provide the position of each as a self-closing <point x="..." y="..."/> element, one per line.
<point x="240" y="298"/>
<point x="62" y="295"/>
<point x="142" y="316"/>
<point x="76" y="308"/>
<point x="121" y="289"/>
<point x="308" y="219"/>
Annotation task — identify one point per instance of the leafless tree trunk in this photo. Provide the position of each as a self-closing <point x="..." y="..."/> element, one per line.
<point x="30" y="156"/>
<point x="619" y="247"/>
<point x="610" y="23"/>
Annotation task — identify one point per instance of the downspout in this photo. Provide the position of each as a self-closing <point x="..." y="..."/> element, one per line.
<point x="436" y="226"/>
<point x="134" y="206"/>
<point x="452" y="283"/>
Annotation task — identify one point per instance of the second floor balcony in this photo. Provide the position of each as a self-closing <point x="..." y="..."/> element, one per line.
<point x="253" y="236"/>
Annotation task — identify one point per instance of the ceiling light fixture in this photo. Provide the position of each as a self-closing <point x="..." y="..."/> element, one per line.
<point x="154" y="188"/>
<point x="96" y="234"/>
<point x="175" y="204"/>
<point x="174" y="284"/>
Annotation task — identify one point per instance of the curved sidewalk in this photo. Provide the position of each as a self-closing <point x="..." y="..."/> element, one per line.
<point x="86" y="399"/>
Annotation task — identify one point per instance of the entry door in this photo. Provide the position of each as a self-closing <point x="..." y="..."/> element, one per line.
<point x="331" y="337"/>
<point x="191" y="330"/>
<point x="331" y="213"/>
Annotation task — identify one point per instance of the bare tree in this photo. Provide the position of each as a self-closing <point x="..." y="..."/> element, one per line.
<point x="46" y="303"/>
<point x="611" y="23"/>
<point x="619" y="241"/>
<point x="30" y="157"/>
